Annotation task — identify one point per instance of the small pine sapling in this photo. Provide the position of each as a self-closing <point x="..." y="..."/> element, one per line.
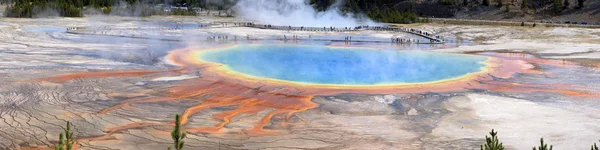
<point x="65" y="139"/>
<point x="492" y="143"/>
<point x="543" y="146"/>
<point x="177" y="135"/>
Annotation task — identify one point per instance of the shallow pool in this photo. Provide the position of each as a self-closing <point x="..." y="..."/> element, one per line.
<point x="46" y="29"/>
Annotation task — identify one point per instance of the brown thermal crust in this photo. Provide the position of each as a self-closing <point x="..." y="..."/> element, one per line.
<point x="282" y="99"/>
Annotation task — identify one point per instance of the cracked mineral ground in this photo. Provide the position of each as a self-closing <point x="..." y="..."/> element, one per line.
<point x="121" y="80"/>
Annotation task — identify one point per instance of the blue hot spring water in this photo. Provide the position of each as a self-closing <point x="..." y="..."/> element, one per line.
<point x="46" y="29"/>
<point x="343" y="66"/>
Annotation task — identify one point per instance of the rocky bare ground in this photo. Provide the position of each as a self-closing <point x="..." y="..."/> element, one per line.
<point x="33" y="113"/>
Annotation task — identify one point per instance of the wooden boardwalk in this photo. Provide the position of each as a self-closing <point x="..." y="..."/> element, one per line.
<point x="433" y="39"/>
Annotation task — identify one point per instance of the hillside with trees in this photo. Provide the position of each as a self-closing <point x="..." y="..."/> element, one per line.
<point x="392" y="11"/>
<point x="521" y="10"/>
<point x="529" y="10"/>
<point x="75" y="8"/>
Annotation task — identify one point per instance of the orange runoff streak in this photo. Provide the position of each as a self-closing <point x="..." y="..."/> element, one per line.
<point x="285" y="99"/>
<point x="100" y="74"/>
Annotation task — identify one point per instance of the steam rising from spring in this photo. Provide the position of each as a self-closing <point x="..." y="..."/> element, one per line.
<point x="297" y="13"/>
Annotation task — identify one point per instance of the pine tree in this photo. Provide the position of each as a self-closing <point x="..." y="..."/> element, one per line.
<point x="492" y="143"/>
<point x="524" y="4"/>
<point x="177" y="134"/>
<point x="447" y="2"/>
<point x="65" y="140"/>
<point x="486" y="3"/>
<point x="594" y="147"/>
<point x="566" y="4"/>
<point x="499" y="3"/>
<point x="543" y="146"/>
<point x="580" y="4"/>
<point x="557" y="6"/>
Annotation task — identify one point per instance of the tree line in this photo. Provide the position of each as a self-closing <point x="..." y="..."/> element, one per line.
<point x="405" y="11"/>
<point x="31" y="8"/>
<point x="391" y="11"/>
<point x="377" y="10"/>
<point x="74" y="8"/>
<point x="556" y="5"/>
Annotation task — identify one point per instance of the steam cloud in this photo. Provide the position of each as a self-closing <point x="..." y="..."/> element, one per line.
<point x="297" y="13"/>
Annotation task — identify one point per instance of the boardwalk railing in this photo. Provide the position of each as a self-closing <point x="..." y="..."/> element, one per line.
<point x="433" y="39"/>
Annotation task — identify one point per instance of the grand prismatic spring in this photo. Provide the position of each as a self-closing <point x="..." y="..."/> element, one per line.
<point x="246" y="84"/>
<point x="342" y="66"/>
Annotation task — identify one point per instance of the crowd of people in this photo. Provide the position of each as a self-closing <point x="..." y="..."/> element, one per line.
<point x="219" y="37"/>
<point x="425" y="34"/>
<point x="432" y="38"/>
<point x="348" y="38"/>
<point x="294" y="37"/>
<point x="302" y="28"/>
<point x="225" y="37"/>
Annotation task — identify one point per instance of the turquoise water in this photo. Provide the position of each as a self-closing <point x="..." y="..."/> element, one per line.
<point x="46" y="29"/>
<point x="343" y="66"/>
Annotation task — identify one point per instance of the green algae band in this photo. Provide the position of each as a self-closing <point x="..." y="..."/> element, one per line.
<point x="342" y="66"/>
